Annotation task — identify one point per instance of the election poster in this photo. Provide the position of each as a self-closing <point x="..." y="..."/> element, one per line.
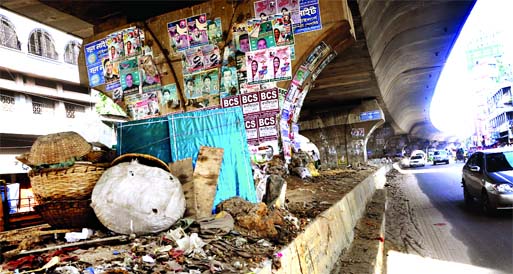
<point x="141" y="106"/>
<point x="145" y="48"/>
<point x="310" y="17"/>
<point x="202" y="89"/>
<point x="215" y="31"/>
<point x="150" y="77"/>
<point x="116" y="49"/>
<point x="178" y="35"/>
<point x="280" y="63"/>
<point x="301" y="74"/>
<point x="211" y="56"/>
<point x="240" y="36"/>
<point x="229" y="82"/>
<point x="261" y="34"/>
<point x="194" y="60"/>
<point x="111" y="74"/>
<point x="264" y="8"/>
<point x="129" y="73"/>
<point x="257" y="67"/>
<point x="94" y="53"/>
<point x="210" y="82"/>
<point x="95" y="75"/>
<point x="197" y="27"/>
<point x="169" y="99"/>
<point x="240" y="64"/>
<point x="317" y="54"/>
<point x="282" y="31"/>
<point x="290" y="10"/>
<point x="132" y="41"/>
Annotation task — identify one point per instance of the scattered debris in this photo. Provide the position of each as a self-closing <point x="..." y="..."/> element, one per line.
<point x="239" y="239"/>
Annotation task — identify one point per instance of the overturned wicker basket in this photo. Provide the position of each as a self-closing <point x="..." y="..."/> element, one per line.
<point x="57" y="148"/>
<point x="73" y="183"/>
<point x="68" y="214"/>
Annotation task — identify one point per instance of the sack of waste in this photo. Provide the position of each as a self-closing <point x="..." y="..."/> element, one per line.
<point x="134" y="198"/>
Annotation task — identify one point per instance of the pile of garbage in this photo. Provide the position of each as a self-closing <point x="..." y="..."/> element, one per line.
<point x="242" y="238"/>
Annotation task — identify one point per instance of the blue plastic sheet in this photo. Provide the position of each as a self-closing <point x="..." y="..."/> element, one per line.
<point x="179" y="136"/>
<point x="222" y="128"/>
<point x="149" y="136"/>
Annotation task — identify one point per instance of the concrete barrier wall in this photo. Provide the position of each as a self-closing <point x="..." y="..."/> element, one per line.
<point x="318" y="248"/>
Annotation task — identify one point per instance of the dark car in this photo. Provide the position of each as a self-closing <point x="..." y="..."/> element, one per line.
<point x="488" y="176"/>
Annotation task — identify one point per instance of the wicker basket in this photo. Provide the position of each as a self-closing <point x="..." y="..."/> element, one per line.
<point x="144" y="159"/>
<point x="68" y="214"/>
<point x="57" y="148"/>
<point x="73" y="183"/>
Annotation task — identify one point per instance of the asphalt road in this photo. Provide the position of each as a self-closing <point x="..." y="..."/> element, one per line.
<point x="451" y="231"/>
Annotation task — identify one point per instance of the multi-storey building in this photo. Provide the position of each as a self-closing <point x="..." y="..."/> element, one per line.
<point x="500" y="114"/>
<point x="40" y="93"/>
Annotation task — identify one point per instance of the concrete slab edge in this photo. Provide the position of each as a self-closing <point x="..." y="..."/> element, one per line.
<point x="318" y="248"/>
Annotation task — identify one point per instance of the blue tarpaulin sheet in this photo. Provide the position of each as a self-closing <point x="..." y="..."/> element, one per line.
<point x="222" y="128"/>
<point x="179" y="136"/>
<point x="149" y="136"/>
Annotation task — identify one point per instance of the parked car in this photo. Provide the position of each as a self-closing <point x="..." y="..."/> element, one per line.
<point x="488" y="176"/>
<point x="417" y="160"/>
<point x="440" y="156"/>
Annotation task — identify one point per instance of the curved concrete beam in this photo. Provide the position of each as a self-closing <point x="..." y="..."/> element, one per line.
<point x="409" y="42"/>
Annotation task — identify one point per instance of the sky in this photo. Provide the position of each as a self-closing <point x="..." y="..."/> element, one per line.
<point x="453" y="107"/>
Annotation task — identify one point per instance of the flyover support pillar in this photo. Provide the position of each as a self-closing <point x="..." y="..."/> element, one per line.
<point x="342" y="136"/>
<point x="362" y="121"/>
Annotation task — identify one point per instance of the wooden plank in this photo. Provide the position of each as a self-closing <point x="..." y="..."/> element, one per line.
<point x="183" y="171"/>
<point x="205" y="178"/>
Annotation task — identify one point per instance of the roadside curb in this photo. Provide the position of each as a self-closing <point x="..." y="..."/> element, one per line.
<point x="319" y="247"/>
<point x="366" y="253"/>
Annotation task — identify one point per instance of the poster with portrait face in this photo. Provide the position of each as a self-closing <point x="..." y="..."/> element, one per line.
<point x="141" y="106"/>
<point x="240" y="36"/>
<point x="150" y="77"/>
<point x="116" y="49"/>
<point x="197" y="27"/>
<point x="229" y="54"/>
<point x="229" y="82"/>
<point x="282" y="31"/>
<point x="178" y="35"/>
<point x="280" y="63"/>
<point x="132" y="41"/>
<point x="210" y="82"/>
<point x="215" y="31"/>
<point x="257" y="67"/>
<point x="111" y="74"/>
<point x="194" y="60"/>
<point x="211" y="56"/>
<point x="145" y="48"/>
<point x="129" y="74"/>
<point x="201" y="90"/>
<point x="169" y="99"/>
<point x="301" y="74"/>
<point x="240" y="64"/>
<point x="290" y="10"/>
<point x="261" y="34"/>
<point x="264" y="8"/>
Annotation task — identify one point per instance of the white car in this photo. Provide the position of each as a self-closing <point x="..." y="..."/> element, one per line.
<point x="440" y="156"/>
<point x="417" y="160"/>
